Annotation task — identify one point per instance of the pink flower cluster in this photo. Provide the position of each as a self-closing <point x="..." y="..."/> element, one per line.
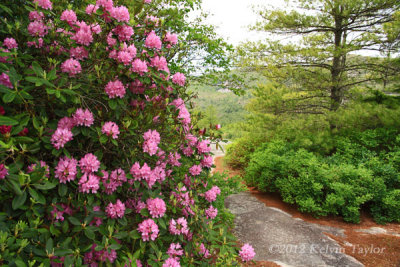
<point x="139" y="66"/>
<point x="179" y="226"/>
<point x="71" y="66"/>
<point x="171" y="262"/>
<point x="179" y="79"/>
<point x="149" y="230"/>
<point x="113" y="181"/>
<point x="61" y="137"/>
<point x="156" y="207"/>
<point x="83" y="35"/>
<point x="116" y="210"/>
<point x="160" y="63"/>
<point x="211" y="212"/>
<point x="83" y="117"/>
<point x="207" y="161"/>
<point x="171" y="39"/>
<point x="147" y="174"/>
<point x="174" y="250"/>
<point x="33" y="167"/>
<point x="92" y="257"/>
<point x="89" y="163"/>
<point x="79" y="52"/>
<point x="153" y="41"/>
<point x="66" y="170"/>
<point x="115" y="89"/>
<point x="3" y="171"/>
<point x="10" y="43"/>
<point x="184" y="114"/>
<point x="111" y="129"/>
<point x="195" y="170"/>
<point x="69" y="16"/>
<point x="211" y="195"/>
<point x="247" y="252"/>
<point x="120" y="13"/>
<point x="203" y="146"/>
<point x="151" y="141"/>
<point x="45" y="4"/>
<point x="5" y="80"/>
<point x="204" y="251"/>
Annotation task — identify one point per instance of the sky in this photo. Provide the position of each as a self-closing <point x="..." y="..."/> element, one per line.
<point x="233" y="16"/>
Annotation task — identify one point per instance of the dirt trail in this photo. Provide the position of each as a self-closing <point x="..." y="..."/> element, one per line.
<point x="368" y="243"/>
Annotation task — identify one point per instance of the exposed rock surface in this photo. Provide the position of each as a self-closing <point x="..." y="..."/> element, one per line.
<point x="278" y="237"/>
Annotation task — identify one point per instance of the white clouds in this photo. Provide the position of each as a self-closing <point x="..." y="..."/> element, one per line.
<point x="233" y="16"/>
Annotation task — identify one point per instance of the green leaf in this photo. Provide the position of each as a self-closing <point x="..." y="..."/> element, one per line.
<point x="18" y="201"/>
<point x="63" y="252"/>
<point x="37" y="69"/>
<point x="74" y="220"/>
<point x="14" y="186"/>
<point x="37" y="196"/>
<point x="7" y="121"/>
<point x="113" y="104"/>
<point x="9" y="97"/>
<point x="134" y="234"/>
<point x="49" y="245"/>
<point x="46" y="186"/>
<point x="68" y="261"/>
<point x="115" y="246"/>
<point x="20" y="263"/>
<point x="89" y="233"/>
<point x="62" y="189"/>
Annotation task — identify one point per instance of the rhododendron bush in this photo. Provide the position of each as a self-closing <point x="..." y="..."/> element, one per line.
<point x="99" y="163"/>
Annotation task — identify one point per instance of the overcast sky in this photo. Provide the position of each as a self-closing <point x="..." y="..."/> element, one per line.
<point x="233" y="16"/>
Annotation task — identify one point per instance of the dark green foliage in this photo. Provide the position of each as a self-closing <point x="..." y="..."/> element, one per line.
<point x="361" y="174"/>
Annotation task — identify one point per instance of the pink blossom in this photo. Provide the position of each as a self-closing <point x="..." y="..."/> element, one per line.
<point x="89" y="163"/>
<point x="120" y="13"/>
<point x="45" y="4"/>
<point x="115" y="89"/>
<point x="3" y="171"/>
<point x="90" y="9"/>
<point x="10" y="43"/>
<point x="187" y="151"/>
<point x="171" y="38"/>
<point x="116" y="210"/>
<point x="34" y="15"/>
<point x="195" y="170"/>
<point x="192" y="140"/>
<point x="106" y="4"/>
<point x="5" y="80"/>
<point x="37" y="28"/>
<point x="153" y="41"/>
<point x="83" y="117"/>
<point x="147" y="1"/>
<point x="84" y="35"/>
<point x="78" y="52"/>
<point x="95" y="28"/>
<point x="38" y="44"/>
<point x="211" y="195"/>
<point x="60" y="137"/>
<point x="89" y="182"/>
<point x="173" y="159"/>
<point x="178" y="227"/>
<point x="124" y="32"/>
<point x="211" y="212"/>
<point x="247" y="252"/>
<point x="71" y="66"/>
<point x="69" y="16"/>
<point x="110" y="40"/>
<point x="184" y="114"/>
<point x="124" y="57"/>
<point x="171" y="262"/>
<point x="139" y="66"/>
<point x="175" y="249"/>
<point x="160" y="63"/>
<point x="156" y="207"/>
<point x="105" y="256"/>
<point x="204" y="251"/>
<point x="151" y="141"/>
<point x="149" y="230"/>
<point x="179" y="79"/>
<point x="66" y="170"/>
<point x="207" y="161"/>
<point x="111" y="129"/>
<point x="132" y="50"/>
<point x="204" y="146"/>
